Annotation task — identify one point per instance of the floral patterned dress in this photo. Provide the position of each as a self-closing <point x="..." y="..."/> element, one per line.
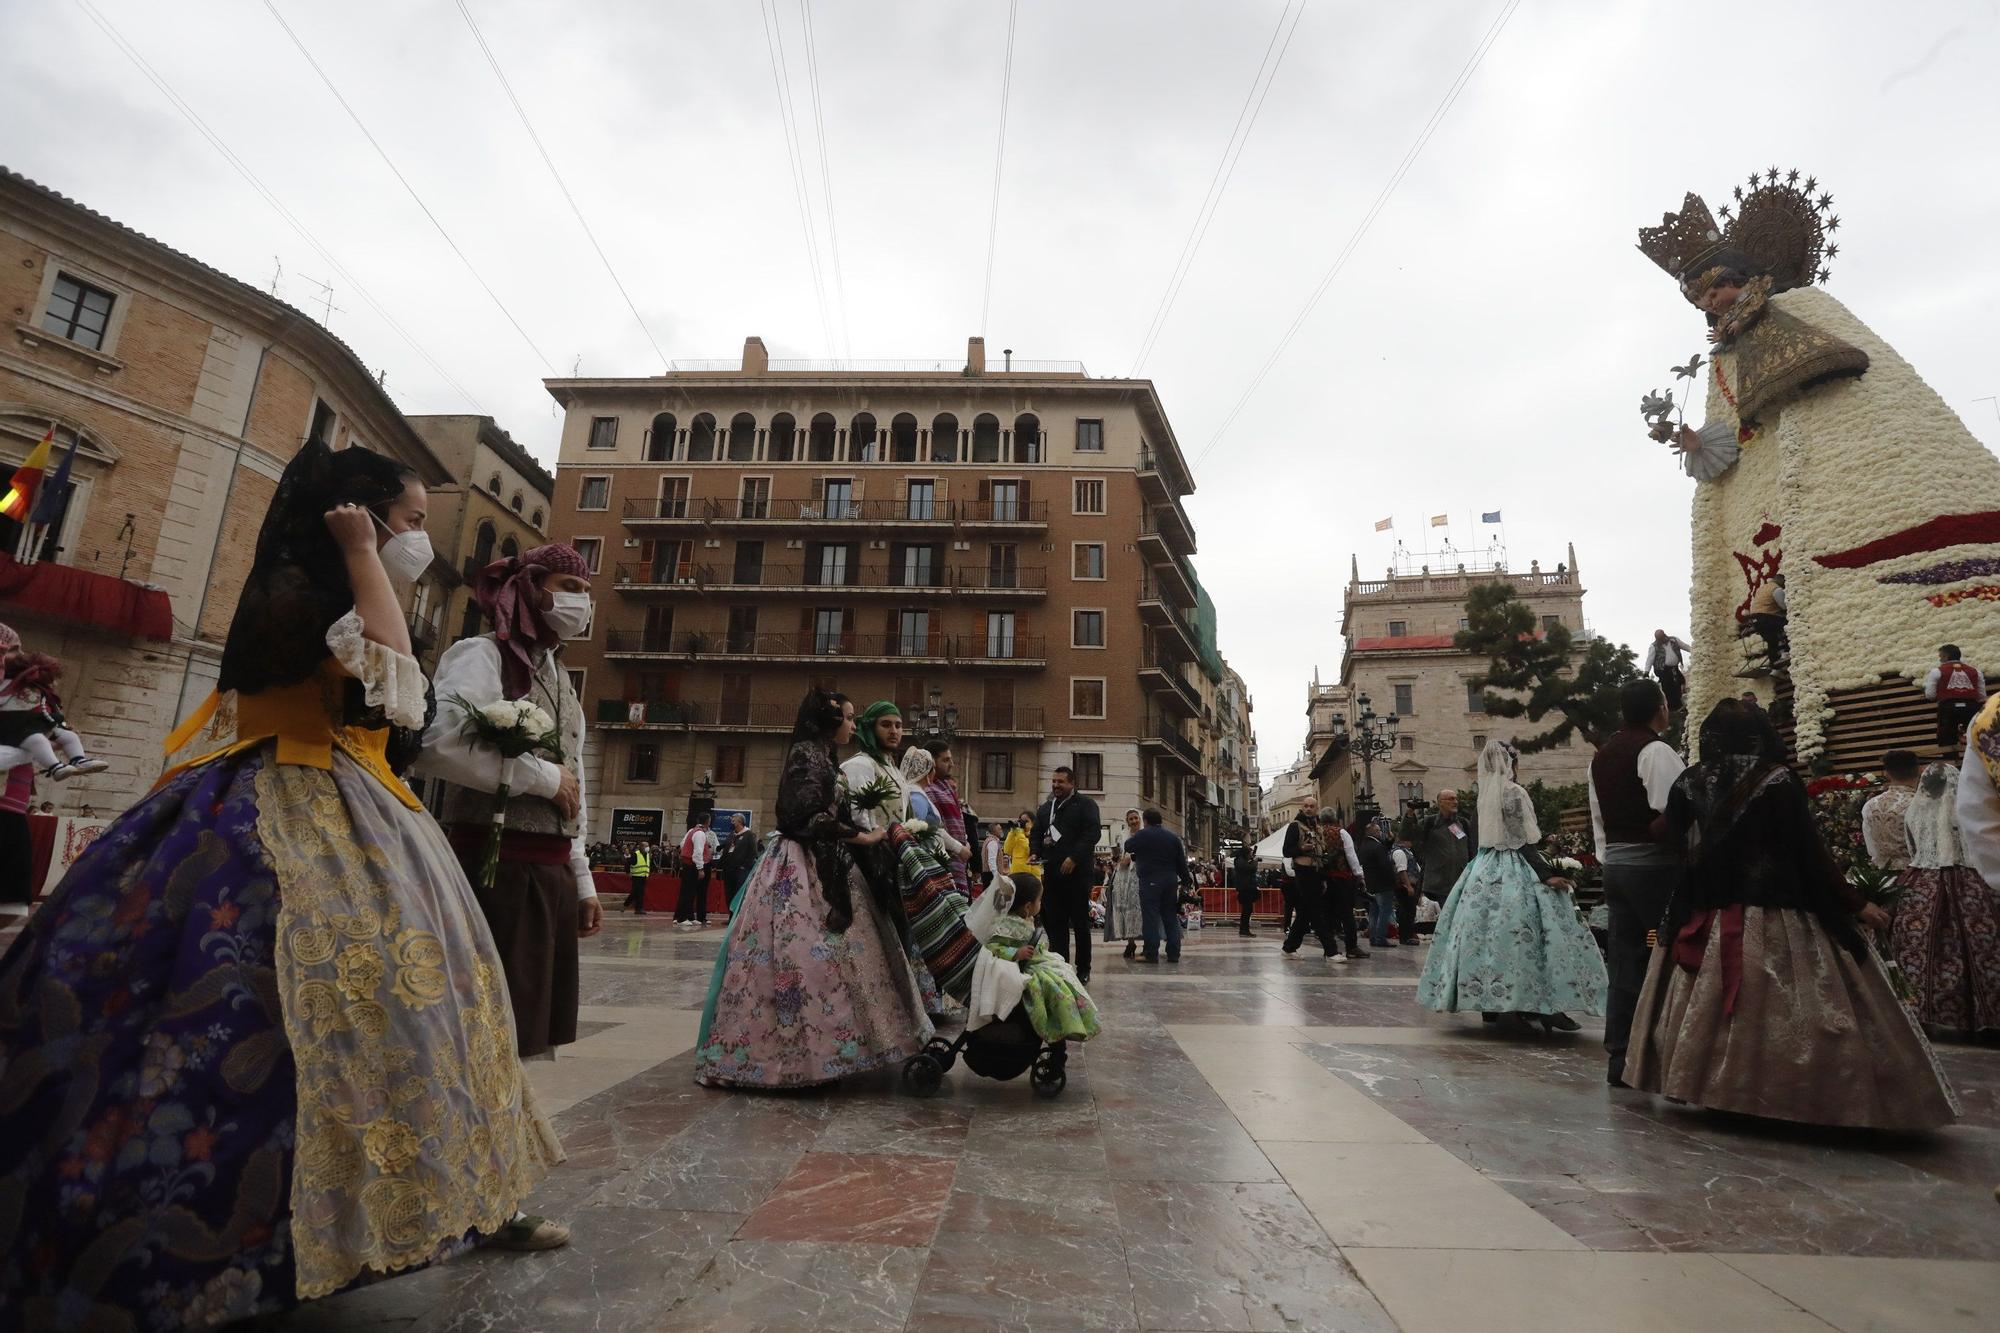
<point x="812" y="983"/>
<point x="1059" y="1007"/>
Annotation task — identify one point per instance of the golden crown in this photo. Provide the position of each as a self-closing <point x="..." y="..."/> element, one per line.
<point x="1683" y="239"/>
<point x="1778" y="224"/>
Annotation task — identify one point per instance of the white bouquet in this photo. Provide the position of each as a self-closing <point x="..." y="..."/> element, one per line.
<point x="514" y="727"/>
<point x="916" y="828"/>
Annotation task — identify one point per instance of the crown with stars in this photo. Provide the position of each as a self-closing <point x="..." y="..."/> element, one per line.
<point x="1783" y="224"/>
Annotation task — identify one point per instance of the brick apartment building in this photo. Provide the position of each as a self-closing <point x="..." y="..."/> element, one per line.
<point x="188" y="392"/>
<point x="1001" y="550"/>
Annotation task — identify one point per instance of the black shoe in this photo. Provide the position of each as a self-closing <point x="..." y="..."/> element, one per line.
<point x="1247" y="934"/>
<point x="1489" y="1018"/>
<point x="1560" y="1023"/>
<point x="1131" y="948"/>
<point x="1142" y="958"/>
<point x="1083" y="978"/>
<point x="1357" y="953"/>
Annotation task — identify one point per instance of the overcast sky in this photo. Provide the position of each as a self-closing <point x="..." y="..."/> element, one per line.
<point x="1485" y="347"/>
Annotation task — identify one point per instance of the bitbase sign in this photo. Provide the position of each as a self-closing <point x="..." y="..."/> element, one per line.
<point x="630" y="825"/>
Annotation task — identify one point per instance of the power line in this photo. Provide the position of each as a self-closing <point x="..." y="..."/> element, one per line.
<point x="1225" y="168"/>
<point x="781" y="82"/>
<point x="411" y="189"/>
<point x="826" y="175"/>
<point x="242" y="168"/>
<point x="999" y="159"/>
<point x="1381" y="201"/>
<point x="494" y="63"/>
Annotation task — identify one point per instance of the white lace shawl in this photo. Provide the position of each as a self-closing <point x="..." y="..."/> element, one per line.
<point x="389" y="680"/>
<point x="1932" y="819"/>
<point x="1506" y="815"/>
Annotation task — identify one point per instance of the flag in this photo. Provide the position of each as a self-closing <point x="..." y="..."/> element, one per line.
<point x="49" y="503"/>
<point x="1385" y="525"/>
<point x="1439" y="520"/>
<point x="26" y="478"/>
<point x="1491" y="517"/>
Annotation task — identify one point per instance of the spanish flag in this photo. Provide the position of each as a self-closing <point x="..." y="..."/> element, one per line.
<point x="27" y="477"/>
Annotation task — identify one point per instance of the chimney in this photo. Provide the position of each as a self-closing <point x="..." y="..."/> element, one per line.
<point x="975" y="356"/>
<point x="756" y="361"/>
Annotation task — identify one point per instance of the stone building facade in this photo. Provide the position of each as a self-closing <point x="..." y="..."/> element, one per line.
<point x="189" y="392"/>
<point x="1001" y="550"/>
<point x="499" y="506"/>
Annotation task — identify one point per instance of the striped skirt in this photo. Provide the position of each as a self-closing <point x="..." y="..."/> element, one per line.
<point x="936" y="911"/>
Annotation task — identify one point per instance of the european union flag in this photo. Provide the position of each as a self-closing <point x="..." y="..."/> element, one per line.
<point x="1493" y="517"/>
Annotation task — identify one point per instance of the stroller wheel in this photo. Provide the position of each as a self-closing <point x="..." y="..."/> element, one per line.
<point x="922" y="1075"/>
<point x="940" y="1051"/>
<point x="1049" y="1076"/>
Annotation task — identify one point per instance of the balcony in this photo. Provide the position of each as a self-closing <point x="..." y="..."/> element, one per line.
<point x="1172" y="525"/>
<point x="646" y="582"/>
<point x="1016" y="721"/>
<point x="836" y="514"/>
<point x="1166" y="572"/>
<point x="1001" y="513"/>
<point x="1166" y="680"/>
<point x="934" y="649"/>
<point x="978" y="581"/>
<point x="682" y="715"/>
<point x="655" y="579"/>
<point x="664" y="513"/>
<point x="1157" y="611"/>
<point x="423" y="633"/>
<point x="1163" y="737"/>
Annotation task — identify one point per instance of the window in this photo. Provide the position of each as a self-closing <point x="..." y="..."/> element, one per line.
<point x="1086" y="629"/>
<point x="832" y="565"/>
<point x="516" y="502"/>
<point x="1006" y="501"/>
<point x="913" y="633"/>
<point x="1086" y="560"/>
<point x="575" y="675"/>
<point x="749" y="567"/>
<point x="1551" y="623"/>
<point x="78" y="311"/>
<point x="604" y="432"/>
<point x="996" y="771"/>
<point x="755" y="499"/>
<point x="642" y="762"/>
<point x="673" y="497"/>
<point x="1399" y="629"/>
<point x="829" y="628"/>
<point x="1003" y="565"/>
<point x="701" y="439"/>
<point x="922" y="500"/>
<point x="592" y="551"/>
<point x="742" y="629"/>
<point x="915" y="567"/>
<point x="838" y="493"/>
<point x="1478" y="741"/>
<point x="1088" y="496"/>
<point x="735" y="708"/>
<point x="1406" y="743"/>
<point x="1088" y="770"/>
<point x="1463" y="623"/>
<point x="537" y="519"/>
<point x="652" y="687"/>
<point x="1089" y="436"/>
<point x="596" y="493"/>
<point x="658" y="636"/>
<point x="728" y="765"/>
<point x="492" y="482"/>
<point x="1406" y="700"/>
<point x="660" y="440"/>
<point x="909" y="696"/>
<point x="999" y="633"/>
<point x="1086" y="696"/>
<point x="1475" y="697"/>
<point x="1409" y="791"/>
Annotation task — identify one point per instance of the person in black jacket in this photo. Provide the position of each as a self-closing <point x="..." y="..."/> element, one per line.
<point x="738" y="857"/>
<point x="1243" y="878"/>
<point x="1065" y="835"/>
<point x="1378" y="870"/>
<point x="1307" y="853"/>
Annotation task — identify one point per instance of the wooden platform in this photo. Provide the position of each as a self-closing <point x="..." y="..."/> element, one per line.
<point x="1872" y="720"/>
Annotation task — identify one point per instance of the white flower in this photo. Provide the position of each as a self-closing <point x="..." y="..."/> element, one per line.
<point x="1568" y="864"/>
<point x="504" y="713"/>
<point x="535" y="719"/>
<point x="916" y="828"/>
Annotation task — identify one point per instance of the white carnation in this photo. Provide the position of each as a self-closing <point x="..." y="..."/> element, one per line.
<point x="503" y="713"/>
<point x="916" y="828"/>
<point x="535" y="719"/>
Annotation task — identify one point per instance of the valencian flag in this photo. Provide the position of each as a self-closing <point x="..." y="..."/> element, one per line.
<point x="1439" y="520"/>
<point x="1385" y="525"/>
<point x="1491" y="516"/>
<point x="27" y="478"/>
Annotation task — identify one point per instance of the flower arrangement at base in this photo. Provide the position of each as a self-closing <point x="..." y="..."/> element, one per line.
<point x="514" y="727"/>
<point x="1836" y="801"/>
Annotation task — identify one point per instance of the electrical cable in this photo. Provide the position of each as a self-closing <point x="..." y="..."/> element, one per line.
<point x="781" y="83"/>
<point x="999" y="159"/>
<point x="826" y="176"/>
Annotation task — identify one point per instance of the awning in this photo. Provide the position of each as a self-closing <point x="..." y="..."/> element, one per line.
<point x="62" y="592"/>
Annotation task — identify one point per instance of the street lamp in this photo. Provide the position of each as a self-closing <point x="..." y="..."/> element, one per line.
<point x="939" y="720"/>
<point x="1372" y="738"/>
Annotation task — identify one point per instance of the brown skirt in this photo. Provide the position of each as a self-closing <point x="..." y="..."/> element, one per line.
<point x="531" y="910"/>
<point x="1816" y="1037"/>
<point x="1947" y="941"/>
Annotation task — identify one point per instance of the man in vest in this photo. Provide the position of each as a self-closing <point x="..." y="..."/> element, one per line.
<point x="697" y="856"/>
<point x="641" y="867"/>
<point x="1959" y="691"/>
<point x="1629" y="781"/>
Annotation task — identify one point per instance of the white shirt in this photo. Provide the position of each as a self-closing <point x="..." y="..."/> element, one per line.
<point x="470" y="670"/>
<point x="1979" y="816"/>
<point x="1402" y="860"/>
<point x="996" y="855"/>
<point x="701" y="846"/>
<point x="1658" y="767"/>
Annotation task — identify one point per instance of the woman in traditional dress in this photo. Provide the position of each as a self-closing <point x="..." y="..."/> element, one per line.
<point x="1763" y="997"/>
<point x="1122" y="915"/>
<point x="940" y="788"/>
<point x="885" y="797"/>
<point x="256" y="1046"/>
<point x="1508" y="942"/>
<point x="1947" y="932"/>
<point x="812" y="983"/>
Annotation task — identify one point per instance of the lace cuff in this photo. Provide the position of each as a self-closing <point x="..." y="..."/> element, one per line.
<point x="390" y="681"/>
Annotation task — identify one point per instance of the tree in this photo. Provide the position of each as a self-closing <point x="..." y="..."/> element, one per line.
<point x="1543" y="671"/>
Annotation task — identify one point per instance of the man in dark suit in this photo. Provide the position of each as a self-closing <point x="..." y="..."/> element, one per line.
<point x="1162" y="863"/>
<point x="1065" y="834"/>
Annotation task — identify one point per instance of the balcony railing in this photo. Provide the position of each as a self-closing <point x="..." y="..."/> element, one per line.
<point x="836" y="512"/>
<point x="1024" y="718"/>
<point x="1160" y="731"/>
<point x="934" y="646"/>
<point x="694" y="714"/>
<point x="976" y="578"/>
<point x="896" y="578"/>
<point x="667" y="573"/>
<point x="1187" y="693"/>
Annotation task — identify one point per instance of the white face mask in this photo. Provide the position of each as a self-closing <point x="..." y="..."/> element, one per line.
<point x="569" y="613"/>
<point x="406" y="555"/>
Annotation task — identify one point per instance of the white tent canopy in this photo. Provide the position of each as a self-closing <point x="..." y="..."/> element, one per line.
<point x="1271" y="851"/>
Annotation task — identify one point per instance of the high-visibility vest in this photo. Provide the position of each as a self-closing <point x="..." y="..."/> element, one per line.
<point x="642" y="865"/>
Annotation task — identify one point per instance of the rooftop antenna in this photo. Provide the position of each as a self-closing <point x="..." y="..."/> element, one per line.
<point x="327" y="307"/>
<point x="277" y="273"/>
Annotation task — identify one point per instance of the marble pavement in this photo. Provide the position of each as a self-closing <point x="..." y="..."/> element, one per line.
<point x="1254" y="1143"/>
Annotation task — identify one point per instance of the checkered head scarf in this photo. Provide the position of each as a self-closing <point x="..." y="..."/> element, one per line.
<point x="507" y="593"/>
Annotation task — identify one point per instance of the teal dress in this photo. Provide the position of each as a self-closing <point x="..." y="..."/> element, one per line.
<point x="1059" y="1008"/>
<point x="1507" y="943"/>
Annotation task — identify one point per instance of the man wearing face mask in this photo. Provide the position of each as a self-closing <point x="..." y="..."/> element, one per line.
<point x="544" y="898"/>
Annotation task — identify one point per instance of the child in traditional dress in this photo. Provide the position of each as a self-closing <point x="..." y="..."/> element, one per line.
<point x="31" y="717"/>
<point x="1059" y="1008"/>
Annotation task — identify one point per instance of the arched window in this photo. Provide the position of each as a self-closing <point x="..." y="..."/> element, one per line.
<point x="517" y="502"/>
<point x="903" y="438"/>
<point x="660" y="440"/>
<point x="742" y="438"/>
<point x="986" y="438"/>
<point x="493" y="485"/>
<point x="861" y="442"/>
<point x="944" y="439"/>
<point x="509" y="549"/>
<point x="701" y="439"/>
<point x="784" y="438"/>
<point x="537" y="520"/>
<point x="819" y="444"/>
<point x="1027" y="439"/>
<point x="482" y="545"/>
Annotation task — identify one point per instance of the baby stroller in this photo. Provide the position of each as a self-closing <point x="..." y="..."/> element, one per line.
<point x="999" y="1042"/>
